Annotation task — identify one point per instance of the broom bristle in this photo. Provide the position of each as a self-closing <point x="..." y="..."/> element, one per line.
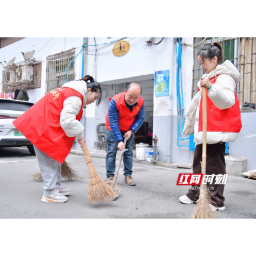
<point x="37" y="176"/>
<point x="98" y="190"/>
<point x="203" y="210"/>
<point x="66" y="172"/>
<point x="101" y="192"/>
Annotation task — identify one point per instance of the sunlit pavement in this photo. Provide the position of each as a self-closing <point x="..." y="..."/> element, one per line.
<point x="155" y="196"/>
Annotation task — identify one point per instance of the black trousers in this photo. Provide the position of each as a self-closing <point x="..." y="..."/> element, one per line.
<point x="215" y="164"/>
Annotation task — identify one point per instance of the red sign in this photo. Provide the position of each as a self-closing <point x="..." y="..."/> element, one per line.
<point x="4" y="95"/>
<point x="189" y="179"/>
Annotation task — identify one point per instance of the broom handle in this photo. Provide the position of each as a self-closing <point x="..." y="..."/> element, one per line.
<point x="86" y="154"/>
<point x="118" y="167"/>
<point x="88" y="161"/>
<point x="204" y="131"/>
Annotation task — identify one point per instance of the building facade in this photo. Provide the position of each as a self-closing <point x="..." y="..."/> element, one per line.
<point x="152" y="62"/>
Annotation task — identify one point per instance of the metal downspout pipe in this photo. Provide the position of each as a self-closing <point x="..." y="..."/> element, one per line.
<point x="84" y="68"/>
<point x="82" y="75"/>
<point x="171" y="98"/>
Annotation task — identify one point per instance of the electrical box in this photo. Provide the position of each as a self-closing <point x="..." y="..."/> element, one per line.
<point x="27" y="73"/>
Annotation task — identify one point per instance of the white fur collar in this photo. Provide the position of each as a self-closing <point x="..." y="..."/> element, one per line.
<point x="226" y="68"/>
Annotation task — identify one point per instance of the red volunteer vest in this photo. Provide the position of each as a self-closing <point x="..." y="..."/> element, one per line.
<point x="220" y="120"/>
<point x="41" y="124"/>
<point x="126" y="117"/>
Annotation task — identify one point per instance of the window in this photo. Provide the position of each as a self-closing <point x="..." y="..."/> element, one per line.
<point x="246" y="89"/>
<point x="241" y="52"/>
<point x="56" y="67"/>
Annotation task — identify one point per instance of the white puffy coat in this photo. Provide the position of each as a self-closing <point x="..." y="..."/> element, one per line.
<point x="223" y="97"/>
<point x="71" y="108"/>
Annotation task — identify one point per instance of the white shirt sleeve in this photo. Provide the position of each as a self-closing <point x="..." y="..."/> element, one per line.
<point x="222" y="92"/>
<point x="68" y="122"/>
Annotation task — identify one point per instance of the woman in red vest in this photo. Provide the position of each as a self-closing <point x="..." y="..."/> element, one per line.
<point x="52" y="125"/>
<point x="223" y="120"/>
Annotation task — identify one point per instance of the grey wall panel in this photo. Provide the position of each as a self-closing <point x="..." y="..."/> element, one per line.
<point x="245" y="145"/>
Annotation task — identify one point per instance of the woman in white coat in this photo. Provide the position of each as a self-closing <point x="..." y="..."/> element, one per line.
<point x="52" y="124"/>
<point x="223" y="120"/>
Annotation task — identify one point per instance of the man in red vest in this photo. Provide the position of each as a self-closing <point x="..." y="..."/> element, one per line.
<point x="125" y="116"/>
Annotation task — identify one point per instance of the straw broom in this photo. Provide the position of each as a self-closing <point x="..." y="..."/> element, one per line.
<point x="203" y="210"/>
<point x="99" y="190"/>
<point x="66" y="172"/>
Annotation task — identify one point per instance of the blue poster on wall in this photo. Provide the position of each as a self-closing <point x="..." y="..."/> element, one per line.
<point x="162" y="83"/>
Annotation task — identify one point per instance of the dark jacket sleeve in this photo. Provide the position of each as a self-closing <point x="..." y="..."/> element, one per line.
<point x="23" y="95"/>
<point x="138" y="120"/>
<point x="113" y="117"/>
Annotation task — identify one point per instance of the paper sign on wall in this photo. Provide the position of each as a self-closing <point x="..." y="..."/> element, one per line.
<point x="161" y="83"/>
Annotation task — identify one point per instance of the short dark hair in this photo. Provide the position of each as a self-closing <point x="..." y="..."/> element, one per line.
<point x="130" y="85"/>
<point x="210" y="51"/>
<point x="95" y="86"/>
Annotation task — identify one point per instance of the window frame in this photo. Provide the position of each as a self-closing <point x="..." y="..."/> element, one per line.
<point x="56" y="65"/>
<point x="240" y="59"/>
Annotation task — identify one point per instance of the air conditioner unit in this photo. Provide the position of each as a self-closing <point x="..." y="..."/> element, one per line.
<point x="18" y="74"/>
<point x="12" y="76"/>
<point x="6" y="76"/>
<point x="27" y="73"/>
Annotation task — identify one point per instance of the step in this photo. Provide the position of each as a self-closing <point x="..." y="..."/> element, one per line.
<point x="236" y="165"/>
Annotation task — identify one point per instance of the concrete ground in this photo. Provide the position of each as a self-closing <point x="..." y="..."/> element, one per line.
<point x="155" y="196"/>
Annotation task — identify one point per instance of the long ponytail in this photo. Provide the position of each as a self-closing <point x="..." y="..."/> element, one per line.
<point x="95" y="86"/>
<point x="87" y="78"/>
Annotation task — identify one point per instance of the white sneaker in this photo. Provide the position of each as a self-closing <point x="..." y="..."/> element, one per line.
<point x="62" y="190"/>
<point x="185" y="200"/>
<point x="53" y="197"/>
<point x="214" y="209"/>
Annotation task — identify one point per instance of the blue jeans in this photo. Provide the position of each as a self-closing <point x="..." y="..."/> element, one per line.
<point x="111" y="155"/>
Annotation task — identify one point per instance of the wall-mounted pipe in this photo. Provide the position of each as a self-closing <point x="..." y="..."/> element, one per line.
<point x="169" y="135"/>
<point x="84" y="71"/>
<point x="83" y="119"/>
<point x="83" y="48"/>
<point x="179" y="93"/>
